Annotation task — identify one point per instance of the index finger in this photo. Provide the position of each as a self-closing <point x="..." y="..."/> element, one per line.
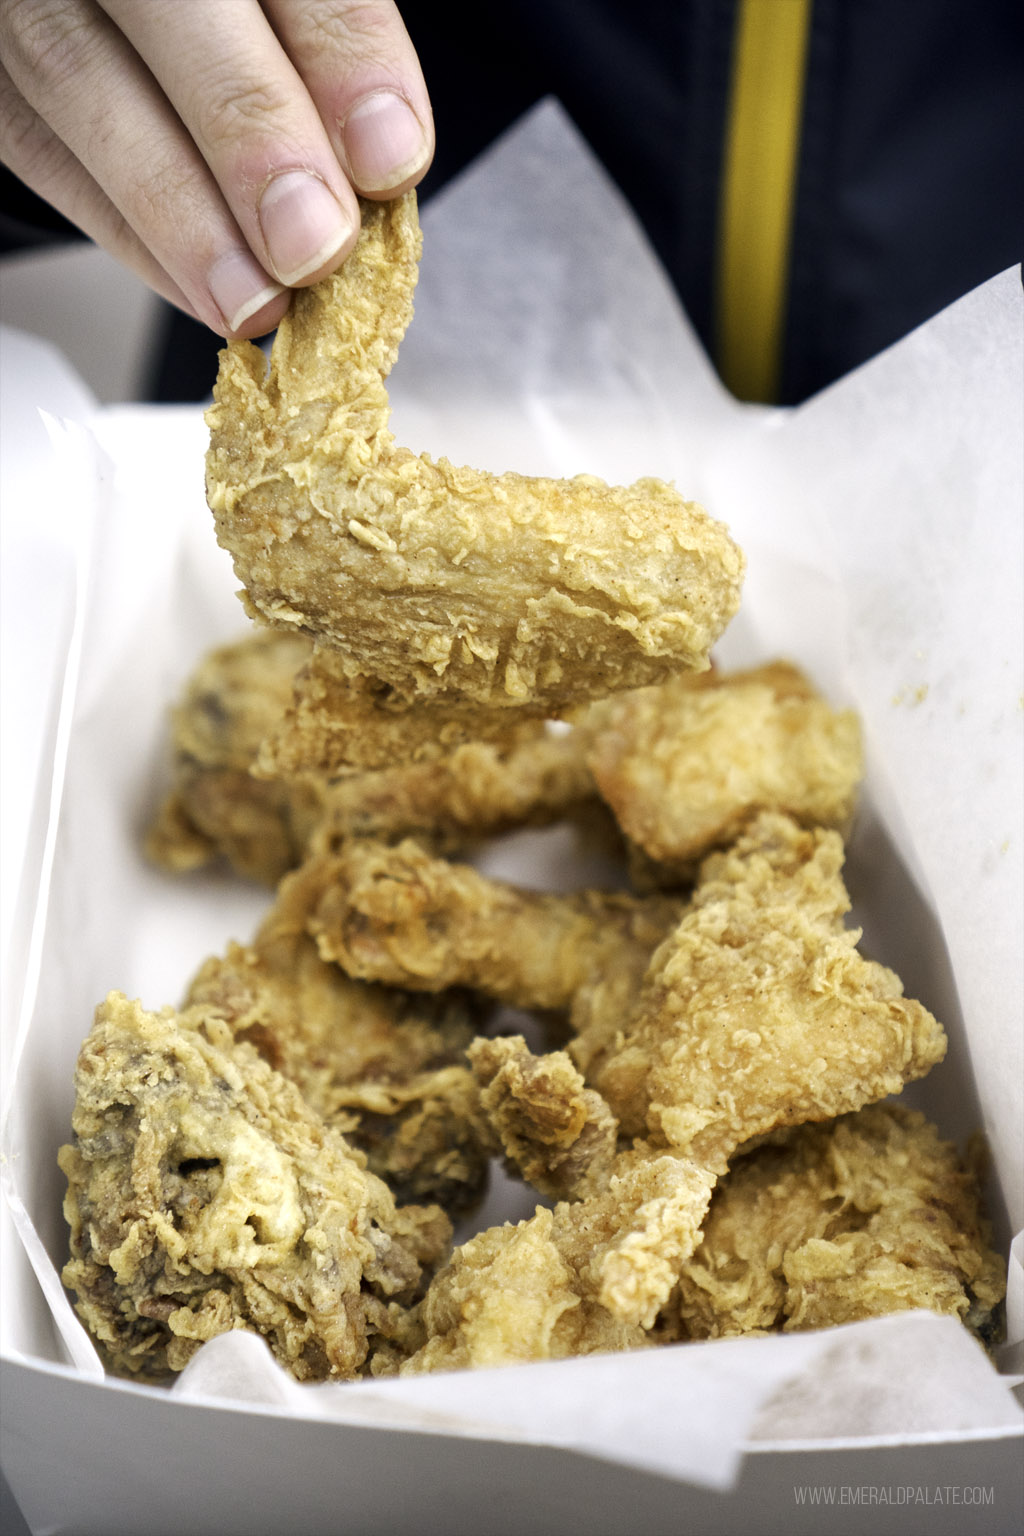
<point x="248" y="112"/>
<point x="361" y="70"/>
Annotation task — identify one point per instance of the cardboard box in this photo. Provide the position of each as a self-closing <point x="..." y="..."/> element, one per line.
<point x="883" y="531"/>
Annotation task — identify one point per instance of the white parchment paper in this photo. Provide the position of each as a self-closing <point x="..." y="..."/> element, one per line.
<point x="882" y="523"/>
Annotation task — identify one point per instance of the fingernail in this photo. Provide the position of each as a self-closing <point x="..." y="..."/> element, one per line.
<point x="384" y="141"/>
<point x="240" y="288"/>
<point x="303" y="224"/>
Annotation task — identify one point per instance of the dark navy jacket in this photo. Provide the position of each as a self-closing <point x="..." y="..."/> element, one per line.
<point x="908" y="186"/>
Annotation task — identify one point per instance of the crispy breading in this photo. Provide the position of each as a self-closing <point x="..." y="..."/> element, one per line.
<point x="402" y="916"/>
<point x="758" y="1011"/>
<point x="589" y="1276"/>
<point x="606" y="999"/>
<point x="205" y="1195"/>
<point x="338" y="722"/>
<point x="385" y="1067"/>
<point x="550" y="1128"/>
<point x="479" y="789"/>
<point x="264" y="824"/>
<point x="434" y="582"/>
<point x="868" y="1214"/>
<point x="627" y="1241"/>
<point x="687" y="765"/>
<point x="507" y="1296"/>
<point x="235" y="696"/>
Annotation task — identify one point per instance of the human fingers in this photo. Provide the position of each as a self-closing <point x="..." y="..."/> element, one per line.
<point x="78" y="74"/>
<point x="46" y="164"/>
<point x="361" y="69"/>
<point x="294" y="108"/>
<point x="244" y="111"/>
<point x="250" y="117"/>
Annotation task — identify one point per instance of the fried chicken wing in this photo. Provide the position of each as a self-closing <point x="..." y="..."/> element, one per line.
<point x="480" y="789"/>
<point x="869" y="1214"/>
<point x="687" y="765"/>
<point x="758" y="1011"/>
<point x="430" y="581"/>
<point x="386" y="1068"/>
<point x="236" y="695"/>
<point x="338" y="721"/>
<point x="205" y="1195"/>
<point x="589" y="1276"/>
<point x="222" y="803"/>
<point x="507" y="1296"/>
<point x="401" y="916"/>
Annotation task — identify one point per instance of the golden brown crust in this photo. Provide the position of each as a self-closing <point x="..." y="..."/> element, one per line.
<point x="589" y="1276"/>
<point x="758" y="1011"/>
<point x="339" y="721"/>
<point x="507" y="1296"/>
<point x="263" y="825"/>
<point x="205" y="1195"/>
<point x="402" y="916"/>
<point x="386" y="1068"/>
<point x="434" y="581"/>
<point x="866" y="1215"/>
<point x="686" y="766"/>
<point x="232" y="700"/>
<point x="480" y="789"/>
<point x="550" y="1128"/>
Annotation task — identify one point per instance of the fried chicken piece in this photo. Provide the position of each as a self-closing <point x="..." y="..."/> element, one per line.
<point x="625" y="1217"/>
<point x="230" y="703"/>
<point x="264" y="825"/>
<point x="869" y="1214"/>
<point x="606" y="999"/>
<point x="627" y="1241"/>
<point x="589" y="1276"/>
<point x="758" y="1011"/>
<point x="687" y="765"/>
<point x="205" y="1195"/>
<point x="433" y="582"/>
<point x="507" y="1296"/>
<point x="338" y="722"/>
<point x="401" y="916"/>
<point x="550" y="1128"/>
<point x="384" y="1067"/>
<point x="480" y="789"/>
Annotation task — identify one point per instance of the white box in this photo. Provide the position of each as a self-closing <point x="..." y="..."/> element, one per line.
<point x="882" y="522"/>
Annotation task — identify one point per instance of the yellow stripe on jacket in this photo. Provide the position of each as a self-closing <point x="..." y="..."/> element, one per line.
<point x="758" y="195"/>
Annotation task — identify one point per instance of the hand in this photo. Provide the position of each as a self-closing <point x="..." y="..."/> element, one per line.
<point x="216" y="147"/>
